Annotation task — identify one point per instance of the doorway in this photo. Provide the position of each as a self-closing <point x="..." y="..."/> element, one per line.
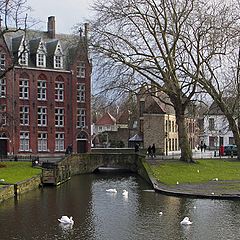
<point x="3" y="147"/>
<point x="82" y="146"/>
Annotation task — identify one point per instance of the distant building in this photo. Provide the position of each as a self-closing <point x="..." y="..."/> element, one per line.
<point x="45" y="98"/>
<point x="157" y="122"/>
<point x="216" y="128"/>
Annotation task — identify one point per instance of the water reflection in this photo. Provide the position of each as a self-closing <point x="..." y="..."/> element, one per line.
<point x="99" y="215"/>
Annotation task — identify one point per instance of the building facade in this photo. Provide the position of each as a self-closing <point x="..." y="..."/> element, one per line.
<point x="216" y="128"/>
<point x="45" y="96"/>
<point x="157" y="122"/>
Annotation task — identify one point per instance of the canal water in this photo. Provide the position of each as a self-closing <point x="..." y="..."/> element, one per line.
<point x="99" y="215"/>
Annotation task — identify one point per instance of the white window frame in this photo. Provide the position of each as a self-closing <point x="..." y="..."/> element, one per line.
<point x="23" y="58"/>
<point x="81" y="70"/>
<point x="59" y="117"/>
<point x="3" y="88"/>
<point x="24" y="115"/>
<point x="58" y="61"/>
<point x="23" y="88"/>
<point x="24" y="141"/>
<point x="81" y="117"/>
<point x="42" y="90"/>
<point x="81" y="92"/>
<point x="42" y="142"/>
<point x="42" y="116"/>
<point x="41" y="59"/>
<point x="59" y="91"/>
<point x="59" y="141"/>
<point x="2" y="61"/>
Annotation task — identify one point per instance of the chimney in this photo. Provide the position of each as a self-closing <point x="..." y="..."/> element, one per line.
<point x="51" y="27"/>
<point x="86" y="26"/>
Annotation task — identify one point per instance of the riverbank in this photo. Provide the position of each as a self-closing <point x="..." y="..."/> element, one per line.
<point x="219" y="178"/>
<point x="17" y="178"/>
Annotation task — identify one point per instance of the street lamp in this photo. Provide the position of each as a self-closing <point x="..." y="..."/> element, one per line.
<point x="166" y="143"/>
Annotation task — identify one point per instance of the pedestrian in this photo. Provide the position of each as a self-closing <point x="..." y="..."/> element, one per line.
<point x="136" y="147"/>
<point x="149" y="151"/>
<point x="204" y="147"/>
<point x="153" y="150"/>
<point x="201" y="146"/>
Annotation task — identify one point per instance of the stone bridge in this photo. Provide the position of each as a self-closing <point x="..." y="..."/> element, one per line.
<point x="89" y="162"/>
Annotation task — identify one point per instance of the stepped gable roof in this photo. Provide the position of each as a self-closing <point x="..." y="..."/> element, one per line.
<point x="106" y="119"/>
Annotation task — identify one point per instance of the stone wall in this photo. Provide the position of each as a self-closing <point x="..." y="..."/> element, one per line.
<point x="6" y="192"/>
<point x="27" y="185"/>
<point x="14" y="190"/>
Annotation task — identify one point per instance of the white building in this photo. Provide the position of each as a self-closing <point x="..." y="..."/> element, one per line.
<point x="216" y="128"/>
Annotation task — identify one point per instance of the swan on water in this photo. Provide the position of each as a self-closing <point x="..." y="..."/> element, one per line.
<point x="111" y="190"/>
<point x="66" y="220"/>
<point x="186" y="221"/>
<point x="160" y="213"/>
<point x="125" y="193"/>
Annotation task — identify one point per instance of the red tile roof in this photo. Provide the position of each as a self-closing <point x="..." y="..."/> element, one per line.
<point x="106" y="119"/>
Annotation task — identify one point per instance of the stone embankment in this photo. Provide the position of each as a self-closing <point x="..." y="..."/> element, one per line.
<point x="8" y="190"/>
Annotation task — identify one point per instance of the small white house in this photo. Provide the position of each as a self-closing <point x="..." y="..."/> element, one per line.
<point x="216" y="128"/>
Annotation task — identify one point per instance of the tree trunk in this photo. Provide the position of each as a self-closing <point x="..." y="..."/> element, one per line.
<point x="233" y="126"/>
<point x="186" y="152"/>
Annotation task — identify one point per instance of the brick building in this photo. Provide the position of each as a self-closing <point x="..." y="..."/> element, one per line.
<point x="45" y="98"/>
<point x="157" y="122"/>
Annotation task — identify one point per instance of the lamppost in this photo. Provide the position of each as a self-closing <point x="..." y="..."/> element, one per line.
<point x="166" y="143"/>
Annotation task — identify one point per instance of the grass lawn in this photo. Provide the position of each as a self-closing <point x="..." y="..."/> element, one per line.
<point x="13" y="172"/>
<point x="202" y="171"/>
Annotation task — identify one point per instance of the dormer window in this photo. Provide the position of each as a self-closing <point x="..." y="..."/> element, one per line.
<point x="2" y="61"/>
<point x="41" y="56"/>
<point x="58" y="57"/>
<point x="23" y="58"/>
<point x="41" y="60"/>
<point x="23" y="53"/>
<point x="58" y="62"/>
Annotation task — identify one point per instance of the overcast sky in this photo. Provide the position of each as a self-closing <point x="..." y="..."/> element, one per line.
<point x="67" y="13"/>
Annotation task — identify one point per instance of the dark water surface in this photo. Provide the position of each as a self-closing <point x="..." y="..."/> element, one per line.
<point x="99" y="215"/>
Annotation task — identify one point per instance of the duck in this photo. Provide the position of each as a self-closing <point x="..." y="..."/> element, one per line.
<point x="66" y="220"/>
<point x="186" y="221"/>
<point x="111" y="190"/>
<point x="125" y="193"/>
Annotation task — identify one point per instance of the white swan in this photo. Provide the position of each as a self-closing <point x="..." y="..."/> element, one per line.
<point x="186" y="221"/>
<point x="66" y="220"/>
<point x="125" y="193"/>
<point x="111" y="190"/>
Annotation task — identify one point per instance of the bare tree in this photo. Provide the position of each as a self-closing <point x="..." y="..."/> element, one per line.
<point x="145" y="39"/>
<point x="13" y="18"/>
<point x="218" y="59"/>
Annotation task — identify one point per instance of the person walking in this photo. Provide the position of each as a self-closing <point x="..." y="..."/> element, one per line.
<point x="204" y="147"/>
<point x="153" y="150"/>
<point x="149" y="151"/>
